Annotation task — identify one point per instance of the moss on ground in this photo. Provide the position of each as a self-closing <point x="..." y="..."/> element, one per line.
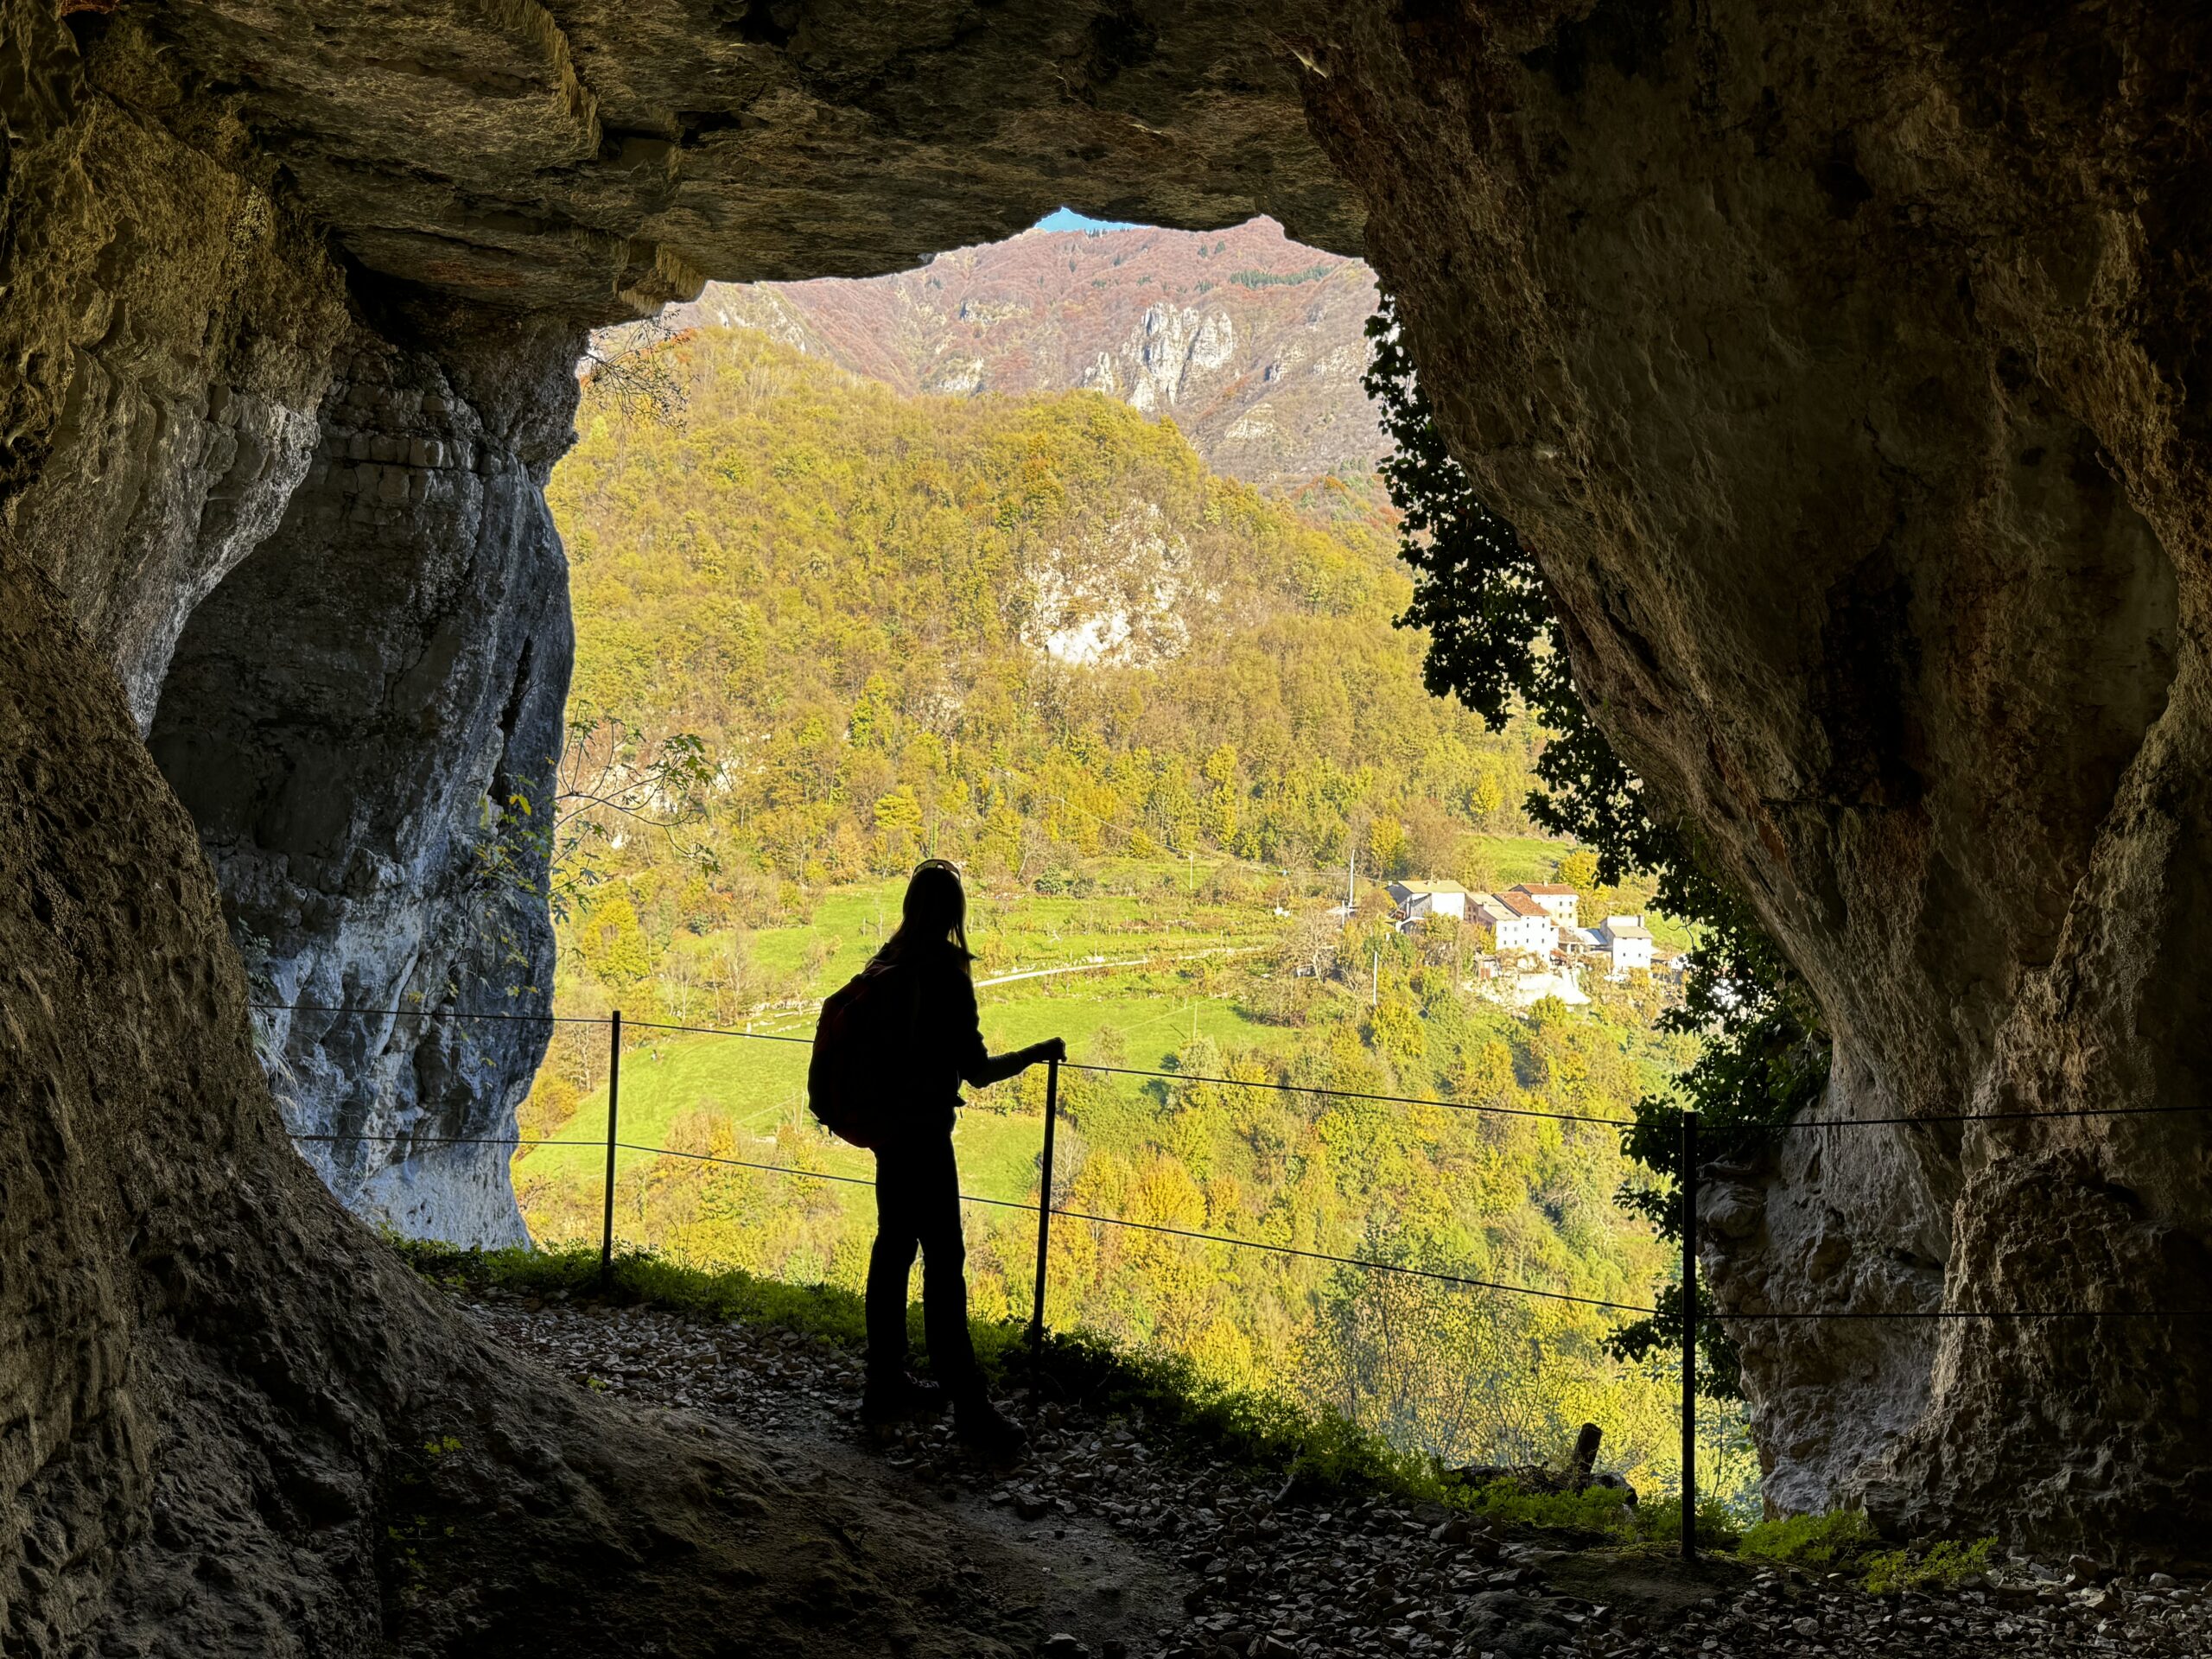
<point x="1599" y="1512"/>
<point x="1844" y="1540"/>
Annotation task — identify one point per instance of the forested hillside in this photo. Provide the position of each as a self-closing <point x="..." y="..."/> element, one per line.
<point x="824" y="629"/>
<point x="1010" y="631"/>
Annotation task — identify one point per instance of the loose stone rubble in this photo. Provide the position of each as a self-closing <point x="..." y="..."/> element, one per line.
<point x="1277" y="1573"/>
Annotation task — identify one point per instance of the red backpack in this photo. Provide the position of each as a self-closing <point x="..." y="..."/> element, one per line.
<point x="864" y="1033"/>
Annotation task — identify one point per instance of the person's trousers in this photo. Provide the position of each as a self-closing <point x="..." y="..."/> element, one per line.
<point x="918" y="1207"/>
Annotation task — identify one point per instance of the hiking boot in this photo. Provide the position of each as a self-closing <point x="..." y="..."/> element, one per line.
<point x="895" y="1398"/>
<point x="983" y="1427"/>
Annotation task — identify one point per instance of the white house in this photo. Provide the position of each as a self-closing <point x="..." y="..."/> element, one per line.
<point x="1557" y="902"/>
<point x="1628" y="942"/>
<point x="1517" y="925"/>
<point x="1417" y="900"/>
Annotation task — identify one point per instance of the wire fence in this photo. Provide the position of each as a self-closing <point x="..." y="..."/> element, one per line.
<point x="1046" y="1210"/>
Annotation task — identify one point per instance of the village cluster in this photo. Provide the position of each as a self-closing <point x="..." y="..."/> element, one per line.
<point x="1529" y="940"/>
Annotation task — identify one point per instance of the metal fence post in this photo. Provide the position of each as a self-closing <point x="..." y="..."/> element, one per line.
<point x="1689" y="1187"/>
<point x="613" y="1111"/>
<point x="1044" y="1222"/>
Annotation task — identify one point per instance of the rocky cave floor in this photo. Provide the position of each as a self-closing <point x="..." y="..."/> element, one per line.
<point x="1116" y="1550"/>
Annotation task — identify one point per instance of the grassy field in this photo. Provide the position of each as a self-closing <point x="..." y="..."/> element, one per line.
<point x="1200" y="930"/>
<point x="1128" y="908"/>
<point x="757" y="1086"/>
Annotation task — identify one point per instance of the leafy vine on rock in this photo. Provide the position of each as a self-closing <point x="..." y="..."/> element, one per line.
<point x="1496" y="643"/>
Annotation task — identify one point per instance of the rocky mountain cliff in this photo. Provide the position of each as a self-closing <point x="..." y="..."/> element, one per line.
<point x="1251" y="342"/>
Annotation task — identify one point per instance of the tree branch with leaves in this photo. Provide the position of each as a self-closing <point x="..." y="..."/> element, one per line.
<point x="1496" y="644"/>
<point x="615" y="778"/>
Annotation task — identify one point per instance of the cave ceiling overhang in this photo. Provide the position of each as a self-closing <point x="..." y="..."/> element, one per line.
<point x="603" y="159"/>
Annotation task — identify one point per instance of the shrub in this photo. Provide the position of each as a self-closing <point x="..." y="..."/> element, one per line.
<point x="1716" y="1526"/>
<point x="1599" y="1510"/>
<point x="1846" y="1541"/>
<point x="1814" y="1541"/>
<point x="1940" y="1567"/>
<point x="1602" y="1511"/>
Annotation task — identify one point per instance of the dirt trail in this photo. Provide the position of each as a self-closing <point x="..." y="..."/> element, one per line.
<point x="1042" y="1569"/>
<point x="1100" y="1542"/>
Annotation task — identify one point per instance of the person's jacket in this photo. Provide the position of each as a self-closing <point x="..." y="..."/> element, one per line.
<point x="945" y="1040"/>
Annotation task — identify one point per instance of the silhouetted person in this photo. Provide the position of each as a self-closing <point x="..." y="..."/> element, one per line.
<point x="917" y="1183"/>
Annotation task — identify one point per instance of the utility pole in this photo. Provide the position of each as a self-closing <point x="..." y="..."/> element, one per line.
<point x="1375" y="984"/>
<point x="1352" y="884"/>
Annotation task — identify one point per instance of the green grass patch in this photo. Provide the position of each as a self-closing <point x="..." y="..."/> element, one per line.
<point x="1845" y="1541"/>
<point x="643" y="1280"/>
<point x="1514" y="859"/>
<point x="1819" y="1541"/>
<point x="1596" y="1512"/>
<point x="1940" y="1566"/>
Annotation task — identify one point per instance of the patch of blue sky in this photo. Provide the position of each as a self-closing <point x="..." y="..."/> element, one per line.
<point x="1066" y="219"/>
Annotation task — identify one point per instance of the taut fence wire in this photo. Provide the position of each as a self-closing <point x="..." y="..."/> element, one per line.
<point x="1044" y="1210"/>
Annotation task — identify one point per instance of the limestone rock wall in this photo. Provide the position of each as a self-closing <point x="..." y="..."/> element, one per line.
<point x="168" y="345"/>
<point x="1842" y="366"/>
<point x="198" y="378"/>
<point x="364" y="720"/>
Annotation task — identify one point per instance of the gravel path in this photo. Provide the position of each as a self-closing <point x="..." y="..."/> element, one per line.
<point x="1127" y="1552"/>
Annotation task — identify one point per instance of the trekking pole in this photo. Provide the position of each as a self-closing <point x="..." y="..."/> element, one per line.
<point x="1044" y="1226"/>
<point x="1689" y="1336"/>
<point x="613" y="1108"/>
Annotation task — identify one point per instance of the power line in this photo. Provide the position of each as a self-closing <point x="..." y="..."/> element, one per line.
<point x="1284" y="1088"/>
<point x="423" y="1013"/>
<point x="1363" y="1262"/>
<point x="1356" y="1261"/>
<point x="1353" y="1094"/>
<point x="1176" y="1232"/>
<point x="446" y="1139"/>
<point x="715" y="1031"/>
<point x="786" y="1169"/>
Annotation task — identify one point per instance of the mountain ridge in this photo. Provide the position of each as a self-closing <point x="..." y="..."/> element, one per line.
<point x="1252" y="343"/>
